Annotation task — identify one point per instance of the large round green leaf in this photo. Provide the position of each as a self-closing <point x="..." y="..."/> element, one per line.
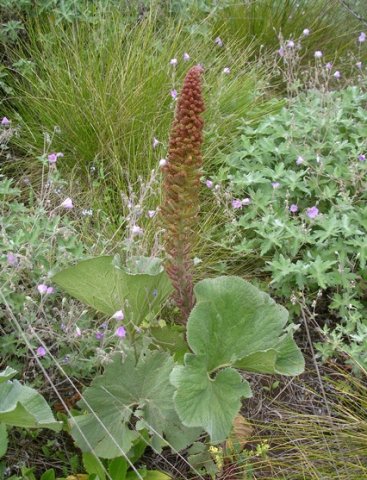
<point x="233" y="324"/>
<point x="131" y="388"/>
<point x="138" y="289"/>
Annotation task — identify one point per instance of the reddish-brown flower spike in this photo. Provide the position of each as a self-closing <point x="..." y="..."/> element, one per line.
<point x="181" y="187"/>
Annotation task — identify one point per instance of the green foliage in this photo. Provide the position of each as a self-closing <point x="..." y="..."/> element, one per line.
<point x="108" y="122"/>
<point x="37" y="237"/>
<point x="143" y="390"/>
<point x="233" y="324"/>
<point x="139" y="289"/>
<point x="325" y="255"/>
<point x="22" y="406"/>
<point x="334" y="29"/>
<point x="120" y="468"/>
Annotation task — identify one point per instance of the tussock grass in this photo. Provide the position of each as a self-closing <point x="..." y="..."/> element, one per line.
<point x="107" y="87"/>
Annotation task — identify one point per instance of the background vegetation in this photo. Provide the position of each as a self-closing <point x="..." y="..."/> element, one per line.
<point x="282" y="204"/>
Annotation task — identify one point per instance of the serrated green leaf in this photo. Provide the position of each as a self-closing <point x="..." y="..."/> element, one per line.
<point x="93" y="465"/>
<point x="139" y="289"/>
<point x="7" y="374"/>
<point x="284" y="359"/>
<point x="143" y="389"/>
<point x="231" y="321"/>
<point x="207" y="402"/>
<point x="22" y="406"/>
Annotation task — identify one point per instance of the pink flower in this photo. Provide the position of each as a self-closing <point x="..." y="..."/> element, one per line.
<point x="5" y="121"/>
<point x="362" y="37"/>
<point x="155" y="142"/>
<point x="312" y="212"/>
<point x="173" y="61"/>
<point x="329" y="65"/>
<point x="236" y="203"/>
<point x="50" y="290"/>
<point x="218" y="41"/>
<point x="119" y="315"/>
<point x="99" y="335"/>
<point x="186" y="57"/>
<point x="42" y="288"/>
<point x="227" y="70"/>
<point x="11" y="259"/>
<point x="293" y="208"/>
<point x="136" y="230"/>
<point x="318" y="54"/>
<point x="41" y="352"/>
<point x="120" y="332"/>
<point x="52" y="158"/>
<point x="209" y="183"/>
<point x="174" y="94"/>
<point x="67" y="203"/>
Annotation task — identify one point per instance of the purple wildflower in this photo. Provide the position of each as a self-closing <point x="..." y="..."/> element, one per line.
<point x="52" y="158"/>
<point x="306" y="32"/>
<point x="11" y="259"/>
<point x="136" y="230"/>
<point x="173" y="62"/>
<point x="218" y="41"/>
<point x="209" y="183"/>
<point x="174" y="94"/>
<point x="226" y="70"/>
<point x="42" y="288"/>
<point x="359" y="65"/>
<point x="78" y="332"/>
<point x="236" y="203"/>
<point x="293" y="208"/>
<point x="362" y="37"/>
<point x="329" y="65"/>
<point x="318" y="54"/>
<point x="290" y="44"/>
<point x="275" y="184"/>
<point x="67" y="203"/>
<point x="299" y="160"/>
<point x="186" y="57"/>
<point x="281" y="52"/>
<point x="5" y="121"/>
<point x="41" y="352"/>
<point x="246" y="201"/>
<point x="120" y="332"/>
<point x="162" y="162"/>
<point x="337" y="74"/>
<point x="99" y="335"/>
<point x="155" y="142"/>
<point x="312" y="212"/>
<point x="362" y="157"/>
<point x="151" y="213"/>
<point x="119" y="315"/>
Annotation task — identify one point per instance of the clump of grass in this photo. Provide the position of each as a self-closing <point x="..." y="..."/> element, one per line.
<point x="108" y="87"/>
<point x="331" y="28"/>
